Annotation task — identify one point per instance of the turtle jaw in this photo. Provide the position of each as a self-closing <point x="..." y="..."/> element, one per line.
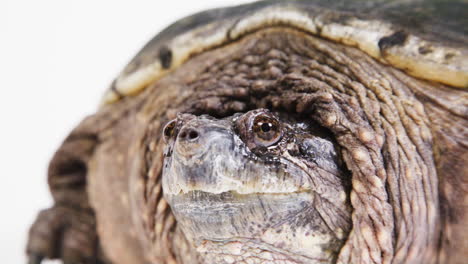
<point x="255" y="227"/>
<point x="237" y="226"/>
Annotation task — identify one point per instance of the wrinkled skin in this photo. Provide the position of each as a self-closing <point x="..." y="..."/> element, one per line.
<point x="255" y="188"/>
<point x="402" y="141"/>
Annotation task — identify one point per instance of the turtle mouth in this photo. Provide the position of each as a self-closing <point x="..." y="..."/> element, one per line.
<point x="212" y="201"/>
<point x="230" y="214"/>
<point x="229" y="201"/>
<point x="232" y="190"/>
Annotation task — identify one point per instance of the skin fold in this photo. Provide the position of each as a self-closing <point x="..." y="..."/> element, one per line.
<point x="400" y="145"/>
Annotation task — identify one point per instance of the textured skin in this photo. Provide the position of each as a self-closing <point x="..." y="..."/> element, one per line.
<point x="404" y="141"/>
<point x="239" y="201"/>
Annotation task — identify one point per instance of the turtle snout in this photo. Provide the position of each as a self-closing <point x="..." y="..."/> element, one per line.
<point x="198" y="138"/>
<point x="191" y="141"/>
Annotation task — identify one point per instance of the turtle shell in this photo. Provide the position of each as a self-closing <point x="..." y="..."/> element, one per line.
<point x="425" y="39"/>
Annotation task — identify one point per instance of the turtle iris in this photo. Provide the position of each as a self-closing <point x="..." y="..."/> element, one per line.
<point x="267" y="130"/>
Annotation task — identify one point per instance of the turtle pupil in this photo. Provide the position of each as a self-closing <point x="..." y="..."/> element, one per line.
<point x="266" y="130"/>
<point x="266" y="127"/>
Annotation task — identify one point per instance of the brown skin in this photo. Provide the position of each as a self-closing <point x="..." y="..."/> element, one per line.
<point x="403" y="139"/>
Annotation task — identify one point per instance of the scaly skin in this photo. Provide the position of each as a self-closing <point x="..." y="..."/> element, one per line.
<point x="402" y="139"/>
<point x="256" y="188"/>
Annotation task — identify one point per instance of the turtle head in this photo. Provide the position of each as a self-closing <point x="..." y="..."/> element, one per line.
<point x="254" y="181"/>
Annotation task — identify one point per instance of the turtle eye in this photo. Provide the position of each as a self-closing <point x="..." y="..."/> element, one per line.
<point x="169" y="130"/>
<point x="267" y="130"/>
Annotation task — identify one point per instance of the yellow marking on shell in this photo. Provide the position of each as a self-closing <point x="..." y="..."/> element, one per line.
<point x="140" y="78"/>
<point x="358" y="33"/>
<point x="109" y="97"/>
<point x="429" y="66"/>
<point x="432" y="66"/>
<point x="443" y="64"/>
<point x="273" y="16"/>
<point x="182" y="47"/>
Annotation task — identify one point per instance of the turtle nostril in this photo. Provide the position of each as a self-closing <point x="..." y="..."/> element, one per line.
<point x="189" y="134"/>
<point x="193" y="135"/>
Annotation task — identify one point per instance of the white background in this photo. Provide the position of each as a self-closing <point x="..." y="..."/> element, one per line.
<point x="57" y="57"/>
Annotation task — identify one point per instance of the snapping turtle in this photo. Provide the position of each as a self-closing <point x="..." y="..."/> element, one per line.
<point x="275" y="132"/>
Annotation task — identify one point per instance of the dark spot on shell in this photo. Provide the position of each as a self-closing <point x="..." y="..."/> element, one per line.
<point x="424" y="50"/>
<point x="395" y="39"/>
<point x="165" y="55"/>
